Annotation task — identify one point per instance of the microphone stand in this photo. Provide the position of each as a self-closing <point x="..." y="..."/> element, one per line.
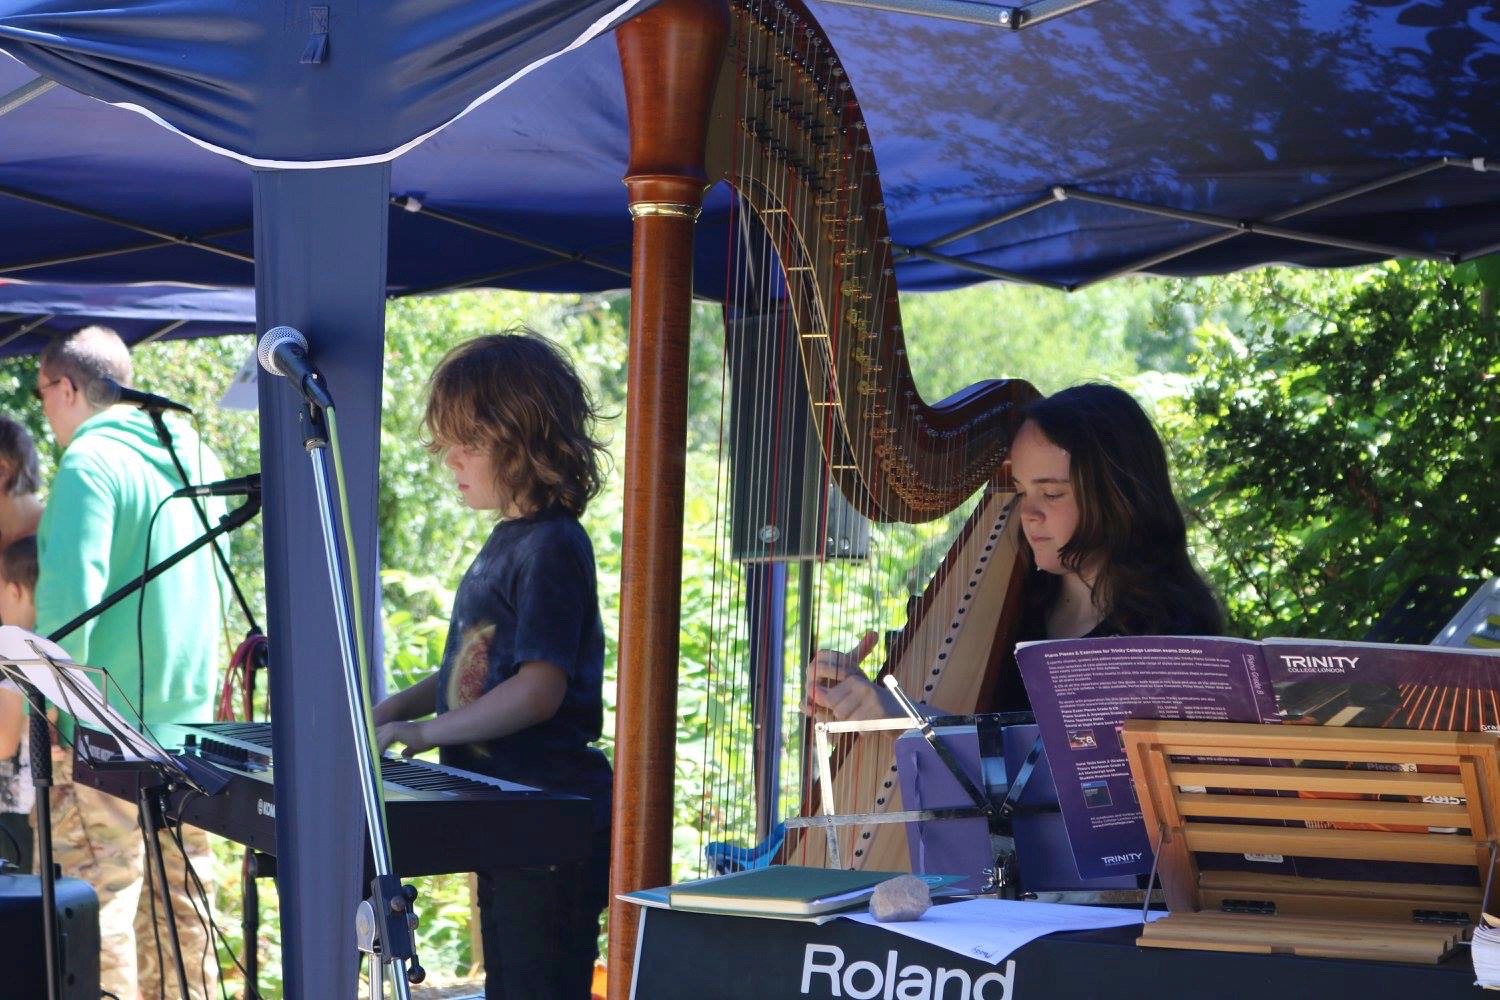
<point x="41" y="741"/>
<point x="249" y="897"/>
<point x="164" y="434"/>
<point x="390" y="916"/>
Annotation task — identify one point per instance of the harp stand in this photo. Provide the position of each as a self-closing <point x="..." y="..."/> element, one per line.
<point x="980" y="807"/>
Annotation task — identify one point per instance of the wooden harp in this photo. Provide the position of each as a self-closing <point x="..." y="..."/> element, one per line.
<point x="751" y="93"/>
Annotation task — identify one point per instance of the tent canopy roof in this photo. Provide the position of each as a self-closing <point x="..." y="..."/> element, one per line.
<point x="1248" y="120"/>
<point x="32" y="313"/>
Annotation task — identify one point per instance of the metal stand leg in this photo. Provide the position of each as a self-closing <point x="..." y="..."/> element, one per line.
<point x="153" y="850"/>
<point x="391" y="906"/>
<point x="41" y="777"/>
<point x="369" y="942"/>
<point x="250" y="924"/>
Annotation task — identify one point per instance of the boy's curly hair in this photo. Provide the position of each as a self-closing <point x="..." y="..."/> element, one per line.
<point x="517" y="396"/>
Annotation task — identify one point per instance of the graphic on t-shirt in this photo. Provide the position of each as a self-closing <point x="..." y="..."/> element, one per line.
<point x="471" y="668"/>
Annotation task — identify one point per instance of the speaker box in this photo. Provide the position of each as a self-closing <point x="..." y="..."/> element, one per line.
<point x="25" y="972"/>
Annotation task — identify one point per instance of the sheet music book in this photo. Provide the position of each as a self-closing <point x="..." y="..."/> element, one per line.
<point x="792" y="890"/>
<point x="1083" y="690"/>
<point x="74" y="688"/>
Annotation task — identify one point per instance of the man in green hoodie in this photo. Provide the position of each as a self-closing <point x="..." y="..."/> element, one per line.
<point x="93" y="539"/>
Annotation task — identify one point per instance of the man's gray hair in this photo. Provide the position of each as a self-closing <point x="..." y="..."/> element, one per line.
<point x="90" y="354"/>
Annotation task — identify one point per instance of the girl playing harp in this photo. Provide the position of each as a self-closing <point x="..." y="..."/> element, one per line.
<point x="1105" y="536"/>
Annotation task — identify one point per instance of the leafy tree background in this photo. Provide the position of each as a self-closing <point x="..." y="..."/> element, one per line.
<point x="1338" y="440"/>
<point x="1332" y="435"/>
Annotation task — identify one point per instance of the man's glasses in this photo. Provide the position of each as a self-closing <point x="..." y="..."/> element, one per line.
<point x="40" y="388"/>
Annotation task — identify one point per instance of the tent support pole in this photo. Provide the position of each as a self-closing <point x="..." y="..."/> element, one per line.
<point x="1229" y="228"/>
<point x="977" y="268"/>
<point x="1013" y="16"/>
<point x="24" y="329"/>
<point x="994" y="220"/>
<point x="671" y="56"/>
<point x="320" y="247"/>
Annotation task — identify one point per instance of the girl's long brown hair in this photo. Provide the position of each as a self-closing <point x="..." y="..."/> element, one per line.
<point x="517" y="396"/>
<point x="1129" y="522"/>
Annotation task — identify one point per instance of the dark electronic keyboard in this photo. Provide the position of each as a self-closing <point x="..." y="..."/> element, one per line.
<point x="439" y="819"/>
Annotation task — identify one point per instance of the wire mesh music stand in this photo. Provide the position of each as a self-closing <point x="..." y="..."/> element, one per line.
<point x="44" y="673"/>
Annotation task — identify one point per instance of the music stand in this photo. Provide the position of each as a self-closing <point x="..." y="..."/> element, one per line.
<point x="44" y="672"/>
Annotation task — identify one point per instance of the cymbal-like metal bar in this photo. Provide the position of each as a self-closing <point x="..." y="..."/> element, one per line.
<point x="1051" y="198"/>
<point x="25" y="328"/>
<point x="416" y="207"/>
<point x="1302" y="208"/>
<point x="25" y="94"/>
<point x="63" y="206"/>
<point x="978" y="268"/>
<point x="1258" y="228"/>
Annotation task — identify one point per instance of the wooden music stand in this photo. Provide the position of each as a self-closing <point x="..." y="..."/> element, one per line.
<point x="1191" y="805"/>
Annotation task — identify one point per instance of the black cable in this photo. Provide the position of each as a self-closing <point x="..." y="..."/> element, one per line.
<point x="161" y="965"/>
<point x="140" y="619"/>
<point x="164" y="434"/>
<point x="107" y="993"/>
<point x="215" y="932"/>
<point x="187" y="890"/>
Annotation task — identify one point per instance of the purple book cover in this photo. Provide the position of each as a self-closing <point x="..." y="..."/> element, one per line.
<point x="1373" y="685"/>
<point x="1083" y="690"/>
<point x="1369" y="685"/>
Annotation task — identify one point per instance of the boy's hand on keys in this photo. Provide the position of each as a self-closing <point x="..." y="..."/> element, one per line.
<point x="410" y="733"/>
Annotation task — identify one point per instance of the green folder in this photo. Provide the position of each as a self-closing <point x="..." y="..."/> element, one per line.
<point x="789" y="890"/>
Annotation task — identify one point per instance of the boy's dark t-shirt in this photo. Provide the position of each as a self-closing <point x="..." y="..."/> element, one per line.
<point x="532" y="594"/>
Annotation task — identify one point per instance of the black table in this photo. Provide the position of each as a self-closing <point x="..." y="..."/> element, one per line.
<point x="697" y="955"/>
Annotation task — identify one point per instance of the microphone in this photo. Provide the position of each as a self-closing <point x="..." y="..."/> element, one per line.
<point x="240" y="486"/>
<point x="104" y="392"/>
<point x="283" y="351"/>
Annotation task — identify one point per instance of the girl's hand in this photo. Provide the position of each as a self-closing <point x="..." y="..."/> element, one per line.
<point x="837" y="688"/>
<point x="413" y="734"/>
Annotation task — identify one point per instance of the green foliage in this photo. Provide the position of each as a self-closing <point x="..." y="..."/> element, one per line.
<point x="1339" y="441"/>
<point x="1108" y="332"/>
<point x="1333" y="434"/>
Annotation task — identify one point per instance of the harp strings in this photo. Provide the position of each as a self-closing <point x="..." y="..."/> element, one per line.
<point x="807" y="313"/>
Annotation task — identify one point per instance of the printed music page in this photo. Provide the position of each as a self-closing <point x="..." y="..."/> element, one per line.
<point x="1083" y="690"/>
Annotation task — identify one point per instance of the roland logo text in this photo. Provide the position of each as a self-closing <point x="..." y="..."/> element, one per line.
<point x="825" y="974"/>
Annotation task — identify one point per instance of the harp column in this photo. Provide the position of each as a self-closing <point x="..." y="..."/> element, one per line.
<point x="671" y="56"/>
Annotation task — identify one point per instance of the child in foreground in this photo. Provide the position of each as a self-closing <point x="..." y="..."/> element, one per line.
<point x="17" y="607"/>
<point x="519" y="691"/>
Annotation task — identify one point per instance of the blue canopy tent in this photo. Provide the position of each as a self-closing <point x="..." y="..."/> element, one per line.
<point x="31" y="313"/>
<point x="1177" y="137"/>
<point x="1162" y="126"/>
